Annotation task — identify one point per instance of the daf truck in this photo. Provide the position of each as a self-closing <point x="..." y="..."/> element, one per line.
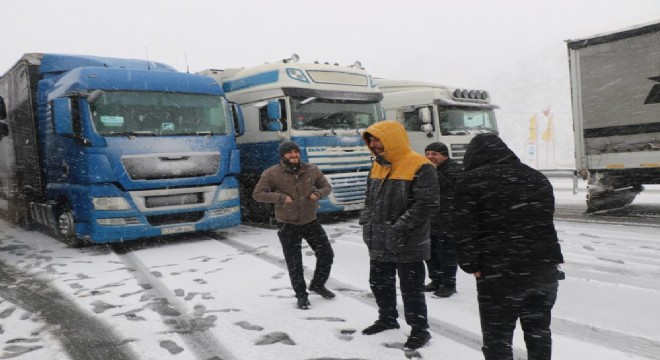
<point x="323" y="107"/>
<point x="615" y="89"/>
<point x="433" y="112"/>
<point x="103" y="149"/>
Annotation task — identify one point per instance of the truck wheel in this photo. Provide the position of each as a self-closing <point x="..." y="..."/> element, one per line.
<point x="21" y="216"/>
<point x="66" y="228"/>
<point x="611" y="200"/>
<point x="24" y="222"/>
<point x="605" y="193"/>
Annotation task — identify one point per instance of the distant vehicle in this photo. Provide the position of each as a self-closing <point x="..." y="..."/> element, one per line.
<point x="615" y="83"/>
<point x="322" y="107"/>
<point x="104" y="149"/>
<point x="434" y="112"/>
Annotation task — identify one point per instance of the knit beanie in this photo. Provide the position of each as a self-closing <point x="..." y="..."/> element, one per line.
<point x="287" y="146"/>
<point x="438" y="147"/>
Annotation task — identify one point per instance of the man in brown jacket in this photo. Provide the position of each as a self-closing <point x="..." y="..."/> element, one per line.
<point x="295" y="188"/>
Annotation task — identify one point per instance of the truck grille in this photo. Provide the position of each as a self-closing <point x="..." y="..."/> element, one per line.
<point x="348" y="188"/>
<point x="169" y="219"/>
<point x="171" y="200"/>
<point x="338" y="158"/>
<point x="458" y="152"/>
<point x="171" y="166"/>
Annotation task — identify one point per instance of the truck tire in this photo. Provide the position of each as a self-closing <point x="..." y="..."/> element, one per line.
<point x="606" y="193"/>
<point x="66" y="227"/>
<point x="23" y="220"/>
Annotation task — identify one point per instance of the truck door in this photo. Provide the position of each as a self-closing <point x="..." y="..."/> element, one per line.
<point x="420" y="130"/>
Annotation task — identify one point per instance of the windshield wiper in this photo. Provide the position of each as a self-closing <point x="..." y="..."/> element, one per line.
<point x="308" y="100"/>
<point x="143" y="133"/>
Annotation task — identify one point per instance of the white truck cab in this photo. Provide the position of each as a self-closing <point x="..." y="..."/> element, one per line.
<point x="433" y="112"/>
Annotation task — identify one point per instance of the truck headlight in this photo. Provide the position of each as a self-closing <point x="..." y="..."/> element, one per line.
<point x="227" y="194"/>
<point x="110" y="203"/>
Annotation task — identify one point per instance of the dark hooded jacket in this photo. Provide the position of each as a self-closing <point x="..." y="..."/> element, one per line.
<point x="503" y="221"/>
<point x="449" y="173"/>
<point x="402" y="193"/>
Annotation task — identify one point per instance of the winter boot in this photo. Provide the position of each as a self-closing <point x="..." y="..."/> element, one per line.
<point x="444" y="292"/>
<point x="417" y="339"/>
<point x="432" y="286"/>
<point x="303" y="303"/>
<point x="323" y="291"/>
<point x="380" y="326"/>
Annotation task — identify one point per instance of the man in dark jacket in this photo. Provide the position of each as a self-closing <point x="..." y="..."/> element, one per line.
<point x="295" y="188"/>
<point x="402" y="192"/>
<point x="442" y="265"/>
<point x="505" y="236"/>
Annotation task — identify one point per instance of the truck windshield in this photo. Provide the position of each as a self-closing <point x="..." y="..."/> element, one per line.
<point x="456" y="120"/>
<point x="122" y="113"/>
<point x="325" y="114"/>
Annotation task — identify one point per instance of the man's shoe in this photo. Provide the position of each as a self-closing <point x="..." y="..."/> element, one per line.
<point x="417" y="339"/>
<point x="303" y="303"/>
<point x="380" y="326"/>
<point x="323" y="291"/>
<point x="444" y="292"/>
<point x="432" y="286"/>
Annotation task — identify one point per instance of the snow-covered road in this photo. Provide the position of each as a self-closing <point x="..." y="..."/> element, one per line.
<point x="226" y="295"/>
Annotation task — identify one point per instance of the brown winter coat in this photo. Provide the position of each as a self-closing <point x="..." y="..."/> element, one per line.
<point x="278" y="181"/>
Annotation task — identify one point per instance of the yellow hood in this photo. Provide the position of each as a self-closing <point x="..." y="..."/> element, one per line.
<point x="404" y="161"/>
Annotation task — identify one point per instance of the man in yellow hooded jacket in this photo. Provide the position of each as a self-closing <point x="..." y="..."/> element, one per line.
<point x="402" y="195"/>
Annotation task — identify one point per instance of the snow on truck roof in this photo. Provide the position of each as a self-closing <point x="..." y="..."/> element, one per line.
<point x="289" y="73"/>
<point x="395" y="85"/>
<point x="610" y="36"/>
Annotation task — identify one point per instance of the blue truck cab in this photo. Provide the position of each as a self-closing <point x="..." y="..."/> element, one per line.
<point x="105" y="149"/>
<point x="323" y="107"/>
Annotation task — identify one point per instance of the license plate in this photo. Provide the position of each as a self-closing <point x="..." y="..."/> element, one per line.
<point x="177" y="229"/>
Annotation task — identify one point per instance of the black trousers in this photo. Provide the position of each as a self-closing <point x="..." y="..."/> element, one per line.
<point x="443" y="263"/>
<point x="503" y="299"/>
<point x="382" y="280"/>
<point x="291" y="237"/>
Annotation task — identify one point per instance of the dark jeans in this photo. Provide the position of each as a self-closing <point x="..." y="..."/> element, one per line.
<point x="503" y="299"/>
<point x="291" y="239"/>
<point x="442" y="265"/>
<point x="382" y="279"/>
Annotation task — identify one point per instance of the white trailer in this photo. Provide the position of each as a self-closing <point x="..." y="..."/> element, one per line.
<point x="615" y="83"/>
<point x="434" y="112"/>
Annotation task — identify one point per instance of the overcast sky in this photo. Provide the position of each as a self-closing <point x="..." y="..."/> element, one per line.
<point x="469" y="39"/>
<point x="513" y="48"/>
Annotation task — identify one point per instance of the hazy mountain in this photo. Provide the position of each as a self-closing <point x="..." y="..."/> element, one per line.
<point x="538" y="83"/>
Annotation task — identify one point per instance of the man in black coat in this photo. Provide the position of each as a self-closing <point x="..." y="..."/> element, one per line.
<point x="505" y="236"/>
<point x="402" y="192"/>
<point x="442" y="265"/>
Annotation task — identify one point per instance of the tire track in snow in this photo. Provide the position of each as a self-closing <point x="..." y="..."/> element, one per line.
<point x="199" y="341"/>
<point x="464" y="337"/>
<point x="83" y="336"/>
<point x="609" y="339"/>
<point x="628" y="344"/>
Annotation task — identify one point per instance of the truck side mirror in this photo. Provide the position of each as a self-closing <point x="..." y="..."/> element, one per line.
<point x="62" y="116"/>
<point x="3" y="109"/>
<point x="425" y="115"/>
<point x="94" y="95"/>
<point x="428" y="129"/>
<point x="4" y="130"/>
<point x="274" y="110"/>
<point x="237" y="117"/>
